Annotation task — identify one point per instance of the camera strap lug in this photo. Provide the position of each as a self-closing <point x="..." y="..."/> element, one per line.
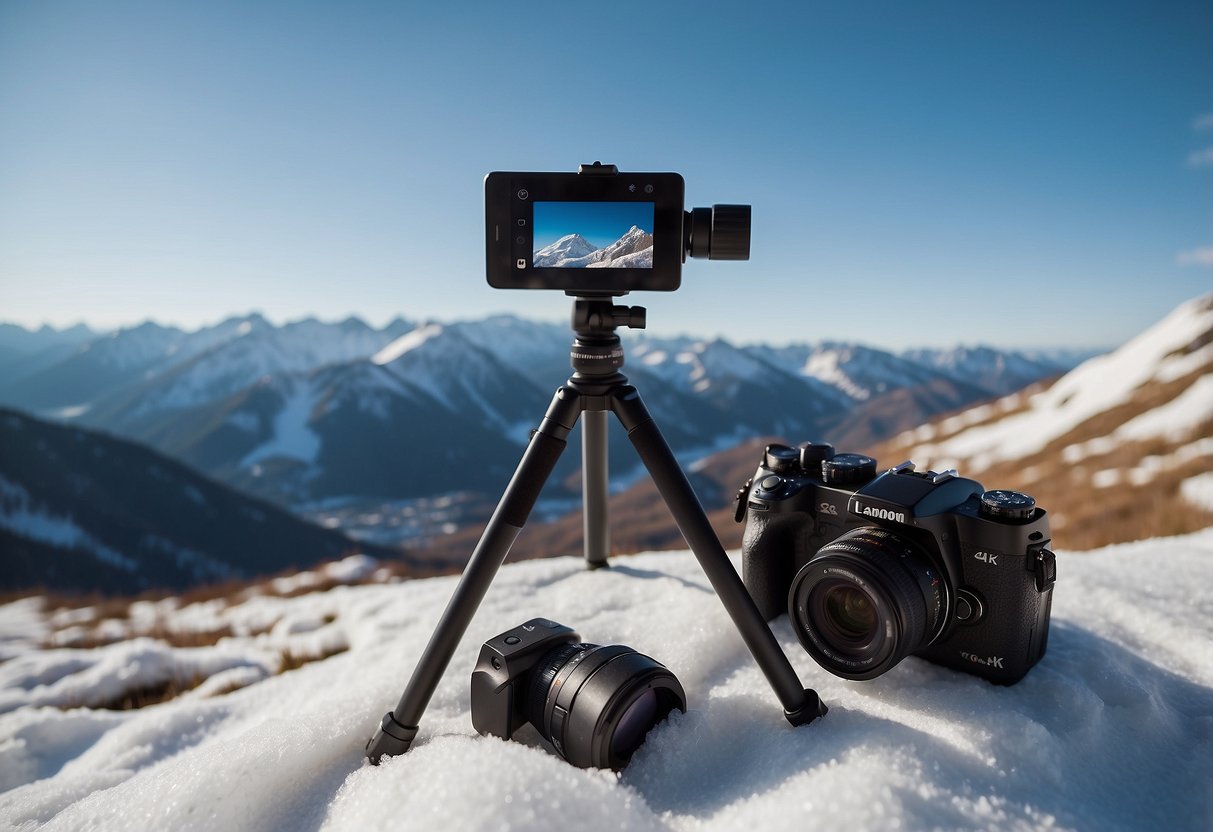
<point x="739" y="503"/>
<point x="1044" y="567"/>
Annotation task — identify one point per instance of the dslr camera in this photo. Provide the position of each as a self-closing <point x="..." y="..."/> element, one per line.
<point x="594" y="704"/>
<point x="872" y="569"/>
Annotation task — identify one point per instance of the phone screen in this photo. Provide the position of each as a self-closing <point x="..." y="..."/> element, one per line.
<point x="593" y="235"/>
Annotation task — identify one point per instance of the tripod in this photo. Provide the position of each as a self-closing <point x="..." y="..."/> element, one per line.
<point x="596" y="387"/>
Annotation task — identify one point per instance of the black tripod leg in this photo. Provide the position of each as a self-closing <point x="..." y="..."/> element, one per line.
<point x="594" y="488"/>
<point x="399" y="727"/>
<point x="800" y="705"/>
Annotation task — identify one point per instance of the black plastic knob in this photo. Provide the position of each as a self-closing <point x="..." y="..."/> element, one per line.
<point x="781" y="459"/>
<point x="812" y="454"/>
<point x="847" y="469"/>
<point x="730" y="232"/>
<point x="1007" y="505"/>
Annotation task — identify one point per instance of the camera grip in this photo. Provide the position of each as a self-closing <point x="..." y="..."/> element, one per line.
<point x="767" y="561"/>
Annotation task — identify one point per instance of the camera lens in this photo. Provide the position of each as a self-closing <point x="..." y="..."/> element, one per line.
<point x="865" y="601"/>
<point x="595" y="705"/>
<point x="721" y="232"/>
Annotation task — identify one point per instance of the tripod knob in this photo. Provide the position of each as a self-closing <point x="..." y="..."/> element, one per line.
<point x="601" y="316"/>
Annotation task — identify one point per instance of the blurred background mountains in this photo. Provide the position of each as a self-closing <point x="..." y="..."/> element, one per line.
<point x="153" y="456"/>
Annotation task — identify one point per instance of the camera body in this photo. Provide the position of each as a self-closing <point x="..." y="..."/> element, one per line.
<point x="502" y="669"/>
<point x="599" y="232"/>
<point x="872" y="568"/>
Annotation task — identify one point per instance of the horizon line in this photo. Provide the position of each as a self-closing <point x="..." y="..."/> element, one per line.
<point x="1026" y="349"/>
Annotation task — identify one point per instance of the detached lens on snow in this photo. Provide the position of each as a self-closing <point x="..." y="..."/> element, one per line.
<point x="596" y="704"/>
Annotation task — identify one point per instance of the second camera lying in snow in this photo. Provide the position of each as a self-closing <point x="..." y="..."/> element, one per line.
<point x="594" y="704"/>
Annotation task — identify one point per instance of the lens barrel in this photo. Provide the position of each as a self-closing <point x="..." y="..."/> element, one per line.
<point x="595" y="704"/>
<point x="866" y="601"/>
<point x="721" y="232"/>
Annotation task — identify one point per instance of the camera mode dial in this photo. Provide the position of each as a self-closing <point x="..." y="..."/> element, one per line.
<point x="845" y="469"/>
<point x="1007" y="505"/>
<point x="781" y="459"/>
<point x="812" y="454"/>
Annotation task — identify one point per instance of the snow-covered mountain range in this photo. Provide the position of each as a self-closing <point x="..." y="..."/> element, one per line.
<point x="572" y="251"/>
<point x="312" y="412"/>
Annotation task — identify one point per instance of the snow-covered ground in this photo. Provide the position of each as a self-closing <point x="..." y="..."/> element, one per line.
<point x="1112" y="730"/>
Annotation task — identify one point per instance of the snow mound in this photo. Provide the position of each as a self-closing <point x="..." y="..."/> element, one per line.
<point x="1112" y="730"/>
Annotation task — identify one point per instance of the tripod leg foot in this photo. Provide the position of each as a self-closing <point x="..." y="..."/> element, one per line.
<point x="813" y="707"/>
<point x="391" y="739"/>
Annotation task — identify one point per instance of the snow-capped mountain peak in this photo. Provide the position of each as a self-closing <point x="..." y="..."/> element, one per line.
<point x="568" y="247"/>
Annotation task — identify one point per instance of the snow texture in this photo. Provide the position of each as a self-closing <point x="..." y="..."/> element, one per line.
<point x="293" y="437"/>
<point x="1198" y="490"/>
<point x="405" y="343"/>
<point x="1112" y="730"/>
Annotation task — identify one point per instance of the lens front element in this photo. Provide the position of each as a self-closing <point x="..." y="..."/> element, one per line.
<point x="635" y="723"/>
<point x="849" y="613"/>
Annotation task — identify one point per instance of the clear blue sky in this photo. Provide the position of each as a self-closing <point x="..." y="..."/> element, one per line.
<point x="600" y="223"/>
<point x="933" y="173"/>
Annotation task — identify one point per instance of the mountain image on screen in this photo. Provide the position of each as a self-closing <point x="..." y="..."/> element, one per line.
<point x="634" y="250"/>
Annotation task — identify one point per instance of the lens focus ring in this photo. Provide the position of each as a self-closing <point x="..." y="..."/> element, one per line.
<point x="596" y="704"/>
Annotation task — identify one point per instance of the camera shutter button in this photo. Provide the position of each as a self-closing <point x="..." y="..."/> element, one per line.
<point x="770" y="483"/>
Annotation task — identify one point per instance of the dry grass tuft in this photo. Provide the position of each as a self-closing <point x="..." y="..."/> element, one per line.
<point x="293" y="661"/>
<point x="149" y="695"/>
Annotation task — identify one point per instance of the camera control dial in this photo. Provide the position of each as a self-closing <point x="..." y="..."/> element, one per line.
<point x="1007" y="505"/>
<point x="847" y="469"/>
<point x="812" y="454"/>
<point x="781" y="459"/>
